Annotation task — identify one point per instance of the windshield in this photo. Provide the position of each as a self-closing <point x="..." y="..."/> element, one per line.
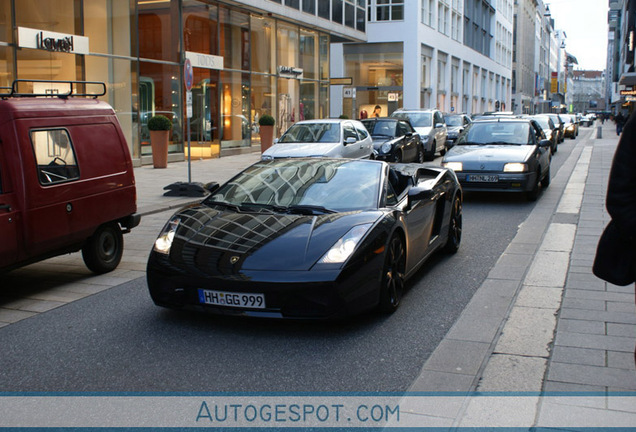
<point x="312" y="133"/>
<point x="336" y="185"/>
<point x="544" y="122"/>
<point x="500" y="133"/>
<point x="453" y="120"/>
<point x="380" y="127"/>
<point x="417" y="119"/>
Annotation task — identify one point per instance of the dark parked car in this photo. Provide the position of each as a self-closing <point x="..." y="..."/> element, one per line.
<point x="505" y="155"/>
<point x="560" y="124"/>
<point x="306" y="238"/>
<point x="550" y="129"/>
<point x="394" y="140"/>
<point x="455" y="124"/>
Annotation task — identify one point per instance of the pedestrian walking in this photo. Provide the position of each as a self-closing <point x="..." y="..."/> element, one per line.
<point x="620" y="122"/>
<point x="615" y="260"/>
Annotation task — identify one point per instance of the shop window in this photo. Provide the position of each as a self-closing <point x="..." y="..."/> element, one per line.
<point x="263" y="43"/>
<point x="107" y="25"/>
<point x="235" y="39"/>
<point x="6" y="67"/>
<point x="158" y="34"/>
<point x="6" y="30"/>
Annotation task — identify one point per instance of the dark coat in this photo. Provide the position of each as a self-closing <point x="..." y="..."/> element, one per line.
<point x="616" y="252"/>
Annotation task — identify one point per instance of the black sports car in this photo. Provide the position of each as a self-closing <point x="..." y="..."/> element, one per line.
<point x="306" y="238"/>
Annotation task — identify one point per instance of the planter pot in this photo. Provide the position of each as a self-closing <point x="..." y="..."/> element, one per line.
<point x="159" y="143"/>
<point x="267" y="137"/>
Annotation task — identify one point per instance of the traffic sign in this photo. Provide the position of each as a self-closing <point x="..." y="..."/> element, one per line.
<point x="188" y="75"/>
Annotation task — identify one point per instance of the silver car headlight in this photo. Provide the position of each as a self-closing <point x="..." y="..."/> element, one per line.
<point x="425" y="138"/>
<point x="164" y="241"/>
<point x="386" y="148"/>
<point x="344" y="247"/>
<point x="455" y="166"/>
<point x="515" y="167"/>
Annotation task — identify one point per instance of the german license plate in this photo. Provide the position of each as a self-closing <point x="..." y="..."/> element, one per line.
<point x="483" y="178"/>
<point x="231" y="299"/>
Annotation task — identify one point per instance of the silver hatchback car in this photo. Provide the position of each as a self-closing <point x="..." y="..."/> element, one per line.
<point x="431" y="126"/>
<point x="339" y="138"/>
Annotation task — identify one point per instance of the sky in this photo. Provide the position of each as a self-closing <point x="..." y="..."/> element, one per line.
<point x="585" y="24"/>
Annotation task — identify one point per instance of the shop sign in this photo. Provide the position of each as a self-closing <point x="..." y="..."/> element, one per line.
<point x="205" y="61"/>
<point x="628" y="92"/>
<point x="290" y="72"/>
<point x="52" y="41"/>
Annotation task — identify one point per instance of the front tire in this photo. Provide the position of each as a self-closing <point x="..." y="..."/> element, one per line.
<point x="103" y="250"/>
<point x="454" y="227"/>
<point x="393" y="274"/>
<point x="533" y="193"/>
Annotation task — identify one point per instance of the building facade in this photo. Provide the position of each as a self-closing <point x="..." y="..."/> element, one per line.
<point x="621" y="55"/>
<point x="454" y="55"/>
<point x="249" y="58"/>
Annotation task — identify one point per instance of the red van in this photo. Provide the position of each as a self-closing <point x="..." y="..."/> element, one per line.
<point x="66" y="177"/>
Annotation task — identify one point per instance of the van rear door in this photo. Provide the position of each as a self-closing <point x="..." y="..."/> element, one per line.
<point x="8" y="218"/>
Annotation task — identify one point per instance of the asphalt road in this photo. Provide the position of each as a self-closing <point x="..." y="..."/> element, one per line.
<point x="117" y="340"/>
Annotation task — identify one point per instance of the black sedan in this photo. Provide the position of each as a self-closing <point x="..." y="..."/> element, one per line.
<point x="394" y="140"/>
<point x="308" y="238"/>
<point x="502" y="155"/>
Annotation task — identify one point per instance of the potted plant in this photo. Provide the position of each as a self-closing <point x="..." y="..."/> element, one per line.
<point x="159" y="127"/>
<point x="266" y="127"/>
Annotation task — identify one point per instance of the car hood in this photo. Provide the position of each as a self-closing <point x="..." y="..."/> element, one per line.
<point x="489" y="153"/>
<point x="214" y="240"/>
<point x="302" y="150"/>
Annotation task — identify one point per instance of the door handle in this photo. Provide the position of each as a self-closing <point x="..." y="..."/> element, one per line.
<point x="6" y="207"/>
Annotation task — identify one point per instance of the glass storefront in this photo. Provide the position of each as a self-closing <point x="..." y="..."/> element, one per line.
<point x="377" y="71"/>
<point x="137" y="47"/>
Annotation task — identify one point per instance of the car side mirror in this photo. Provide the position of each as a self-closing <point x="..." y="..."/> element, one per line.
<point x="350" y="140"/>
<point x="439" y="125"/>
<point x="545" y="143"/>
<point x="211" y="187"/>
<point x="275" y="141"/>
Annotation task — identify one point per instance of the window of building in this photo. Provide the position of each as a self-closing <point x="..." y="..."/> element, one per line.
<point x="336" y="11"/>
<point x="389" y="10"/>
<point x="427" y="12"/>
<point x="324" y="9"/>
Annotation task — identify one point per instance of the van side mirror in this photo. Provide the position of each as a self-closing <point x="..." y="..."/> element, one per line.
<point x="350" y="140"/>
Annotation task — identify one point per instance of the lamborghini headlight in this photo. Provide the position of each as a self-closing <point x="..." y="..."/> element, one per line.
<point x="164" y="241"/>
<point x="344" y="247"/>
<point x="515" y="167"/>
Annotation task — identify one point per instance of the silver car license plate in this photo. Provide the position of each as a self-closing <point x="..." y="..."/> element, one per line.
<point x="483" y="178"/>
<point x="232" y="299"/>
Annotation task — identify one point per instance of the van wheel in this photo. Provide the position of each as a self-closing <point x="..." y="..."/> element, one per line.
<point x="103" y="250"/>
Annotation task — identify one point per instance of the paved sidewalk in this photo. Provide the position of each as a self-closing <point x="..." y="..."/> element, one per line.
<point x="541" y="321"/>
